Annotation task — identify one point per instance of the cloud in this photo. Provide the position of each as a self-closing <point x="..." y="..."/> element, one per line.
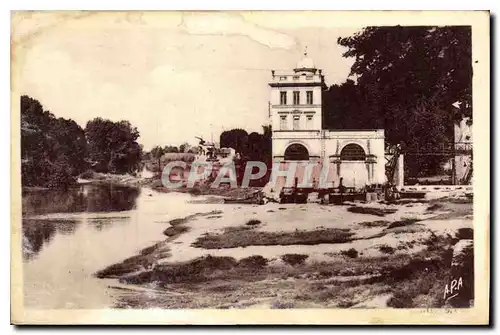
<point x="234" y="24"/>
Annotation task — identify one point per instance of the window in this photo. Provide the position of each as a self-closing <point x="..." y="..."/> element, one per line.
<point x="309" y="124"/>
<point x="352" y="152"/>
<point x="296" y="152"/>
<point x="296" y="122"/>
<point x="296" y="97"/>
<point x="296" y="77"/>
<point x="309" y="97"/>
<point x="283" y="122"/>
<point x="282" y="77"/>
<point x="283" y="98"/>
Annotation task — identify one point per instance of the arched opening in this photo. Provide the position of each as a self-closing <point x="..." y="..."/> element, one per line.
<point x="352" y="152"/>
<point x="296" y="152"/>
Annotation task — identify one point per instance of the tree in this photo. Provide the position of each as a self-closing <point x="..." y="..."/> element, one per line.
<point x="170" y="148"/>
<point x="53" y="150"/>
<point x="408" y="79"/>
<point x="399" y="67"/>
<point x="344" y="108"/>
<point x="156" y="153"/>
<point x="184" y="147"/>
<point x="112" y="146"/>
<point x="236" y="139"/>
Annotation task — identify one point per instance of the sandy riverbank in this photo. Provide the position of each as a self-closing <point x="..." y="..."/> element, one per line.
<point x="306" y="255"/>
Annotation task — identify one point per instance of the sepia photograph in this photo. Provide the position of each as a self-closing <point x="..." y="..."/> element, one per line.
<point x="332" y="167"/>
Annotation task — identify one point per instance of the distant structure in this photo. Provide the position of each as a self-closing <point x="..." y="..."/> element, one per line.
<point x="463" y="152"/>
<point x="296" y="117"/>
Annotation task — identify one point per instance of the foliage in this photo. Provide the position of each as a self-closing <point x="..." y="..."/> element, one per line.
<point x="253" y="223"/>
<point x="254" y="262"/>
<point x="170" y="148"/>
<point x="408" y="79"/>
<point x="156" y="153"/>
<point x="386" y="249"/>
<point x="184" y="147"/>
<point x="53" y="149"/>
<point x="352" y="253"/>
<point x="253" y="146"/>
<point x="236" y="139"/>
<point x="250" y="147"/>
<point x="113" y="146"/>
<point x="294" y="259"/>
<point x="245" y="236"/>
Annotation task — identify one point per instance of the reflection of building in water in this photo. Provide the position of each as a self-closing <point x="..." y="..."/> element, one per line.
<point x="298" y="135"/>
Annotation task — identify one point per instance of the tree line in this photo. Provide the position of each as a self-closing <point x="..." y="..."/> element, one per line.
<point x="55" y="151"/>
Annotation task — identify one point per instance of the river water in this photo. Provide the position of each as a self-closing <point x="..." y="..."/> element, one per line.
<point x="68" y="236"/>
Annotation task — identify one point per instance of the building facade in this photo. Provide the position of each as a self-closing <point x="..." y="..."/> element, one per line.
<point x="296" y="117"/>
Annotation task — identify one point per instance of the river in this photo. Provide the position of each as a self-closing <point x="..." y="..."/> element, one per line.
<point x="68" y="236"/>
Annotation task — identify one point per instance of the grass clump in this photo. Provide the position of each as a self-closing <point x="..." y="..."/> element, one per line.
<point x="434" y="207"/>
<point x="253" y="223"/>
<point x="253" y="262"/>
<point x="294" y="259"/>
<point x="371" y="210"/>
<point x="175" y="230"/>
<point x="427" y="283"/>
<point x="377" y="223"/>
<point x="243" y="237"/>
<point x="465" y="234"/>
<point x="282" y="305"/>
<point x="402" y="223"/>
<point x="351" y="253"/>
<point x="197" y="270"/>
<point x="386" y="249"/>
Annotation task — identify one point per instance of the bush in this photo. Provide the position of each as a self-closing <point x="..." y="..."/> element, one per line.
<point x="402" y="223"/>
<point x="89" y="174"/>
<point x="386" y="249"/>
<point x="253" y="223"/>
<point x="175" y="230"/>
<point x="282" y="305"/>
<point x="294" y="259"/>
<point x="61" y="177"/>
<point x="352" y="253"/>
<point x="377" y="223"/>
<point x="197" y="270"/>
<point x="434" y="207"/>
<point x="465" y="234"/>
<point x="194" y="191"/>
<point x="254" y="262"/>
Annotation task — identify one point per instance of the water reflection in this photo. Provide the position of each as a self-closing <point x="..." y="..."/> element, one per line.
<point x="101" y="224"/>
<point x="111" y="198"/>
<point x="40" y="230"/>
<point x="37" y="232"/>
<point x="87" y="198"/>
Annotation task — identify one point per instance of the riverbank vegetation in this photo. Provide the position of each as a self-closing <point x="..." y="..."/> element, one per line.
<point x="55" y="151"/>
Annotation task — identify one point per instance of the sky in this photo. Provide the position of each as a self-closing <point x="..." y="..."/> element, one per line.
<point x="173" y="75"/>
